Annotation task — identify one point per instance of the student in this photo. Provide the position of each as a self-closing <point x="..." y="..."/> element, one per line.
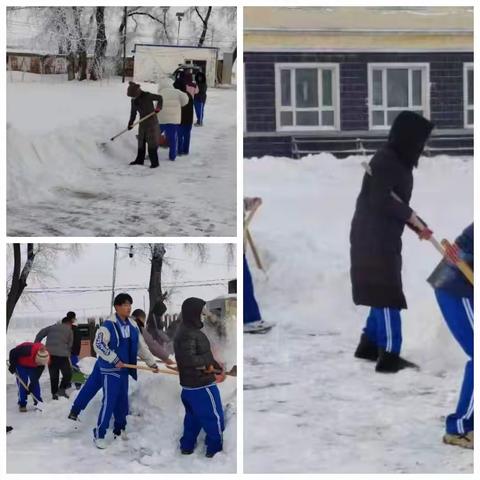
<point x="142" y="102"/>
<point x="200" y="97"/>
<point x="375" y="239"/>
<point x="186" y="122"/>
<point x="59" y="345"/>
<point x="454" y="294"/>
<point x="200" y="395"/>
<point x="118" y="342"/>
<point x="170" y="115"/>
<point x="28" y="361"/>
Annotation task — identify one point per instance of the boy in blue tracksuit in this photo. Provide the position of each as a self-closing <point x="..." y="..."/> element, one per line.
<point x="117" y="342"/>
<point x="454" y="295"/>
<point x="200" y="394"/>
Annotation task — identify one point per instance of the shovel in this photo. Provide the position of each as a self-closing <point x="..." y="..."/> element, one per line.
<point x="104" y="144"/>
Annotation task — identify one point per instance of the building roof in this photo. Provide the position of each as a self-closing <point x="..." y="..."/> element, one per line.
<point x="356" y="28"/>
<point x="170" y="46"/>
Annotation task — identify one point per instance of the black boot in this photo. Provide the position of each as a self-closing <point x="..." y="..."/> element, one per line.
<point x="186" y="452"/>
<point x="153" y="156"/>
<point x="366" y="349"/>
<point x="140" y="157"/>
<point x="392" y="362"/>
<point x="73" y="415"/>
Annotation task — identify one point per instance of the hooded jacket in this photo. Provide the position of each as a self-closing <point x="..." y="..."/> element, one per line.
<point x="379" y="219"/>
<point x="173" y="101"/>
<point x="192" y="347"/>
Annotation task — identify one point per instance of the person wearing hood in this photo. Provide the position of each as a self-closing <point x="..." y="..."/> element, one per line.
<point x="158" y="347"/>
<point x="375" y="240"/>
<point x="118" y="342"/>
<point x="148" y="134"/>
<point x="27" y="361"/>
<point x="200" y="395"/>
<point x="200" y="97"/>
<point x="171" y="113"/>
<point x="454" y="294"/>
<point x="186" y="121"/>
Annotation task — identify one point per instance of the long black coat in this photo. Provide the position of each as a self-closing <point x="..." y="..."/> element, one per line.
<point x="192" y="347"/>
<point x="379" y="219"/>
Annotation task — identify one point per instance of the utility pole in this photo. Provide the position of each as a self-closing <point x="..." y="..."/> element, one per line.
<point x="130" y="254"/>
<point x="179" y="18"/>
<point x="125" y="17"/>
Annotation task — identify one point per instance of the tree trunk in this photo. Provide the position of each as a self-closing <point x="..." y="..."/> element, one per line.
<point x="81" y="45"/>
<point x="155" y="293"/>
<point x="234" y="56"/>
<point x="19" y="277"/>
<point x="96" y="72"/>
<point x="205" y="25"/>
<point x="124" y="40"/>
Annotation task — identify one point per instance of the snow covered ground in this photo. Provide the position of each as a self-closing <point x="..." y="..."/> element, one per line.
<point x="61" y="183"/>
<point x="47" y="442"/>
<point x="309" y="406"/>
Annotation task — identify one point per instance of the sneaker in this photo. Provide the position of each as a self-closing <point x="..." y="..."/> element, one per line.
<point x="22" y="408"/>
<point x="73" y="416"/>
<point x="366" y="349"/>
<point x="211" y="454"/>
<point x="122" y="434"/>
<point x="464" y="441"/>
<point x="62" y="393"/>
<point x="392" y="363"/>
<point x="260" y="326"/>
<point x="100" y="443"/>
<point x="186" y="452"/>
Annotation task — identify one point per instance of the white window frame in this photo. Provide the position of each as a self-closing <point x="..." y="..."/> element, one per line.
<point x="466" y="107"/>
<point x="425" y="67"/>
<point x="335" y="96"/>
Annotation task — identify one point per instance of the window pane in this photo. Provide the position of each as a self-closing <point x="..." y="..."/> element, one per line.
<point x="397" y="87"/>
<point x="306" y="88"/>
<point x="327" y="94"/>
<point x="391" y="116"/>
<point x="307" y="118"/>
<point x="377" y="87"/>
<point x="470" y="117"/>
<point x="328" y="118"/>
<point x="417" y="87"/>
<point x="378" y="118"/>
<point x="286" y="88"/>
<point x="470" y="86"/>
<point x="286" y="118"/>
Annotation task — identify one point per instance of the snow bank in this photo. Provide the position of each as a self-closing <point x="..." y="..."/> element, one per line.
<point x="340" y="416"/>
<point x="61" y="181"/>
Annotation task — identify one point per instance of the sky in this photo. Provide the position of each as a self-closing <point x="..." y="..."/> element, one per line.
<point x="93" y="267"/>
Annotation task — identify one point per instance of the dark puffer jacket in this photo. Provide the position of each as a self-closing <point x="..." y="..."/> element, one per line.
<point x="379" y="219"/>
<point x="192" y="347"/>
<point x="202" y="87"/>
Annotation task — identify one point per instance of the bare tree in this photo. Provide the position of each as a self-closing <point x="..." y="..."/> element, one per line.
<point x="37" y="263"/>
<point x="204" y="18"/>
<point x="96" y="71"/>
<point x="81" y="44"/>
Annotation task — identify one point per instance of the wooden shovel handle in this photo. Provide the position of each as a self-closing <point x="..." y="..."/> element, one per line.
<point x="461" y="264"/>
<point x="143" y="367"/>
<point x="134" y="124"/>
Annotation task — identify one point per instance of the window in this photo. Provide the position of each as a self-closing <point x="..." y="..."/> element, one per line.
<point x="307" y="96"/>
<point x="468" y="94"/>
<point x="395" y="87"/>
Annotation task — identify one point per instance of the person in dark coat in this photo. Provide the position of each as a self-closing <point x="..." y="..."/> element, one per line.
<point x="375" y="239"/>
<point x="142" y="102"/>
<point x="200" y="98"/>
<point x="454" y="294"/>
<point x="200" y="394"/>
<point x="186" y="122"/>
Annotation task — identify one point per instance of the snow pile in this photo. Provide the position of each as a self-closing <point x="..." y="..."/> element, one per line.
<point x="339" y="414"/>
<point x="154" y="428"/>
<point x="61" y="181"/>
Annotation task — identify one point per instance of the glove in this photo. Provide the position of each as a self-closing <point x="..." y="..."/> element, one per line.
<point x="130" y="127"/>
<point x="452" y="253"/>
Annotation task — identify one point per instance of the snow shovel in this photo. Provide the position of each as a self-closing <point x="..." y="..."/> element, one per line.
<point x="144" y="367"/>
<point x="249" y="239"/>
<point x="440" y="247"/>
<point x="104" y="144"/>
